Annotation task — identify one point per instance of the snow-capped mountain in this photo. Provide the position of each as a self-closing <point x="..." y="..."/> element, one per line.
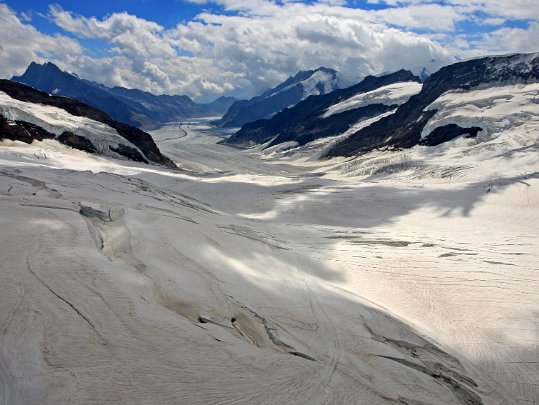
<point x="27" y="114"/>
<point x="287" y="94"/>
<point x="131" y="106"/>
<point x="332" y="113"/>
<point x="481" y="96"/>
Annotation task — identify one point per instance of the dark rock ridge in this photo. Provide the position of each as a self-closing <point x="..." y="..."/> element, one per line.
<point x="316" y="127"/>
<point x="304" y="123"/>
<point x="22" y="131"/>
<point x="81" y="143"/>
<point x="134" y="107"/>
<point x="287" y="94"/>
<point x="27" y="132"/>
<point x="448" y="132"/>
<point x="403" y="129"/>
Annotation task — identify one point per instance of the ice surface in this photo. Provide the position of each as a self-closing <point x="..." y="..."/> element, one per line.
<point x="399" y="276"/>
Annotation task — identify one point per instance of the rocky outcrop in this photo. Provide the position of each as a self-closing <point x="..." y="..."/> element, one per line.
<point x="77" y="142"/>
<point x="137" y="137"/>
<point x="404" y="128"/>
<point x="22" y="131"/>
<point x="144" y="142"/>
<point x="447" y="133"/>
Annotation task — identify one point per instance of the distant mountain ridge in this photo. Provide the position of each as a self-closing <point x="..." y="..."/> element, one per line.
<point x="289" y="93"/>
<point x="131" y="106"/>
<point x="306" y="121"/>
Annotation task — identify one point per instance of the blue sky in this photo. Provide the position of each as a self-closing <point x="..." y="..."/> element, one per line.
<point x="209" y="48"/>
<point x="165" y="12"/>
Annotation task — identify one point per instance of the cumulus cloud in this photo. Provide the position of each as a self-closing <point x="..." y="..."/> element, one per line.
<point x="135" y="37"/>
<point x="254" y="48"/>
<point x="255" y="44"/>
<point x="433" y="17"/>
<point x="507" y="9"/>
<point x="509" y="40"/>
<point x="22" y="44"/>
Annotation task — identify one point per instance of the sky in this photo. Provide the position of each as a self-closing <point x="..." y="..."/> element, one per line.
<point x="209" y="48"/>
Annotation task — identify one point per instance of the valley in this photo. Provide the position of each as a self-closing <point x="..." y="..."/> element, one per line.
<point x="270" y="276"/>
<point x="222" y="202"/>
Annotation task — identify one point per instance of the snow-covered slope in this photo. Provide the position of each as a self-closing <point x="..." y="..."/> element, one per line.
<point x="321" y="81"/>
<point x="493" y="109"/>
<point x="392" y="94"/>
<point x="396" y="277"/>
<point x="57" y="121"/>
<point x="311" y="148"/>
<point x="489" y="94"/>
<point x="316" y="149"/>
<point x="27" y="114"/>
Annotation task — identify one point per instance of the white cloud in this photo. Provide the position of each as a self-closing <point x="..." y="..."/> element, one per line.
<point x="255" y="48"/>
<point x="135" y="37"/>
<point x="510" y="40"/>
<point x="510" y="9"/>
<point x="507" y="9"/>
<point x="22" y="44"/>
<point x="258" y="43"/>
<point x="297" y="36"/>
<point x="432" y="17"/>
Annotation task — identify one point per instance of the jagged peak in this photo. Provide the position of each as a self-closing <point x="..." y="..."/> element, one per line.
<point x="47" y="66"/>
<point x="305" y="74"/>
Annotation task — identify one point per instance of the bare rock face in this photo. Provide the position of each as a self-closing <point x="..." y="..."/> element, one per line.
<point x="77" y="142"/>
<point x="137" y="137"/>
<point x="22" y="131"/>
<point x="447" y="133"/>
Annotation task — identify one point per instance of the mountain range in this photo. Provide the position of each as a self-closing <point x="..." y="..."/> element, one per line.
<point x="405" y="128"/>
<point x="396" y="111"/>
<point x="308" y="121"/>
<point x="286" y="94"/>
<point x="130" y="106"/>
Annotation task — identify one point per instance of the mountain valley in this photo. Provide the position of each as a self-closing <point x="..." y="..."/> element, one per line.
<point x="374" y="244"/>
